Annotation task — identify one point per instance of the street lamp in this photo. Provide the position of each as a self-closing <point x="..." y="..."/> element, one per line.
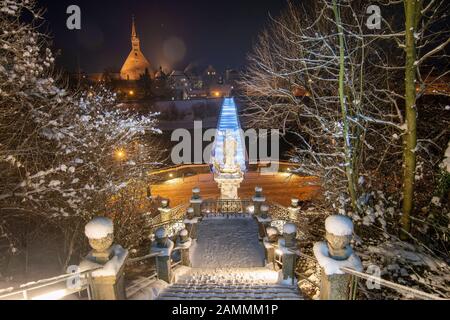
<point x="120" y="154"/>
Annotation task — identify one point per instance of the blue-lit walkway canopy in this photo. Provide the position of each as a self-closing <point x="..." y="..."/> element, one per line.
<point x="228" y="125"/>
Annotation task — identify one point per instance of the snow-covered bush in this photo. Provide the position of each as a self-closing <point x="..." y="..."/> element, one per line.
<point x="63" y="154"/>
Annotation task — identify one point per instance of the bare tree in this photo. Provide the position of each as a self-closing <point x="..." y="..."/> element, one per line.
<point x="63" y="154"/>
<point x="314" y="74"/>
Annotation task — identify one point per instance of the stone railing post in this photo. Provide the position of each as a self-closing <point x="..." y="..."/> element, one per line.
<point x="149" y="196"/>
<point x="196" y="202"/>
<point x="258" y="200"/>
<point x="184" y="242"/>
<point x="263" y="220"/>
<point x="163" y="246"/>
<point x="294" y="210"/>
<point x="269" y="244"/>
<point x="191" y="222"/>
<point x="107" y="283"/>
<point x="334" y="254"/>
<point x="288" y="246"/>
<point x="164" y="210"/>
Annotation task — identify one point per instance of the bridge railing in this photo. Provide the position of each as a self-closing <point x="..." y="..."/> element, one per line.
<point x="227" y="207"/>
<point x="146" y="281"/>
<point x="356" y="277"/>
<point x="361" y="276"/>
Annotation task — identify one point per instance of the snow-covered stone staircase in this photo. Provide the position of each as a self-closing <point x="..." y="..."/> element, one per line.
<point x="229" y="284"/>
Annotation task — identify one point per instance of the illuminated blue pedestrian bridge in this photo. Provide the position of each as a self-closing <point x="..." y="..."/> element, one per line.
<point x="228" y="153"/>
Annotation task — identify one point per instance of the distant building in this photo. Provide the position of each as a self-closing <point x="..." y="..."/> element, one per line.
<point x="160" y="85"/>
<point x="210" y="76"/>
<point x="180" y="85"/>
<point x="231" y="76"/>
<point x="136" y="63"/>
<point x="194" y="76"/>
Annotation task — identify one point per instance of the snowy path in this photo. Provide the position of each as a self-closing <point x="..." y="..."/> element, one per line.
<point x="225" y="243"/>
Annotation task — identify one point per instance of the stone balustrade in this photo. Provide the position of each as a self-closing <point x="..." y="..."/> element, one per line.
<point x="334" y="254"/>
<point x="108" y="282"/>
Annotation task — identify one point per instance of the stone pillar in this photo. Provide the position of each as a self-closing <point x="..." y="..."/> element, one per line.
<point x="288" y="247"/>
<point x="196" y="202"/>
<point x="269" y="244"/>
<point x="164" y="246"/>
<point x="184" y="242"/>
<point x="164" y="211"/>
<point x="263" y="221"/>
<point x="191" y="222"/>
<point x="106" y="283"/>
<point x="334" y="254"/>
<point x="149" y="194"/>
<point x="258" y="200"/>
<point x="294" y="210"/>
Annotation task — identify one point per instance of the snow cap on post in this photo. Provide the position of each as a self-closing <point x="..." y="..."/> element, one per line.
<point x="294" y="202"/>
<point x="184" y="233"/>
<point x="339" y="225"/>
<point x="196" y="190"/>
<point x="289" y="228"/>
<point x="258" y="189"/>
<point x="165" y="203"/>
<point x="160" y="233"/>
<point x="99" y="228"/>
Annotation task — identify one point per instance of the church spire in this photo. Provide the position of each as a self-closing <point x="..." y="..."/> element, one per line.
<point x="135" y="43"/>
<point x="136" y="63"/>
<point x="133" y="29"/>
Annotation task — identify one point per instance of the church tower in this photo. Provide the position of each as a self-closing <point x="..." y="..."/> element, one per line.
<point x="136" y="63"/>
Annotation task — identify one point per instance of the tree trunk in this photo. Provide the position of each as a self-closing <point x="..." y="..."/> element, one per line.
<point x="349" y="164"/>
<point x="412" y="10"/>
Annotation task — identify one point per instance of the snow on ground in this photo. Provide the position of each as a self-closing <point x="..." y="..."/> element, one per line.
<point x="149" y="292"/>
<point x="259" y="275"/>
<point x="224" y="243"/>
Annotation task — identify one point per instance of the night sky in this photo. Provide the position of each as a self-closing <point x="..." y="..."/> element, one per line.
<point x="220" y="33"/>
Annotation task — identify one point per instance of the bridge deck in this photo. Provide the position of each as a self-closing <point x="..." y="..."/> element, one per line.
<point x="280" y="187"/>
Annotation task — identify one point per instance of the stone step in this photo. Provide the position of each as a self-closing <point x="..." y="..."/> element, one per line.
<point x="229" y="284"/>
<point x="224" y="291"/>
<point x="268" y="298"/>
<point x="227" y="296"/>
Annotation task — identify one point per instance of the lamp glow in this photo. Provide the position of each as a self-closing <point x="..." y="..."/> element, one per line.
<point x="53" y="295"/>
<point x="120" y="154"/>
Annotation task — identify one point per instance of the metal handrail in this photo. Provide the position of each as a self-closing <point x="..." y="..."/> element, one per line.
<point x="149" y="256"/>
<point x="307" y="279"/>
<point x="381" y="281"/>
<point x="24" y="288"/>
<point x="130" y="292"/>
<point x="392" y="285"/>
